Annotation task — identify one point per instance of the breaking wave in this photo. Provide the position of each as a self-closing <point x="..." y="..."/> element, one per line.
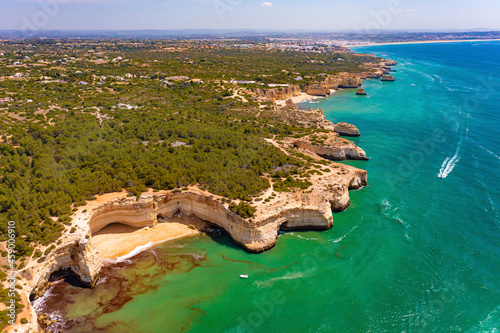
<point x="130" y="255"/>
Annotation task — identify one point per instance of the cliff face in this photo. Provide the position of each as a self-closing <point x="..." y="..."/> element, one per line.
<point x="350" y="82"/>
<point x="77" y="254"/>
<point x="317" y="90"/>
<point x="311" y="210"/>
<point x="342" y="80"/>
<point x="136" y="214"/>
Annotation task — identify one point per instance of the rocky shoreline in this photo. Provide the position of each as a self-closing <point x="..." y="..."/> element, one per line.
<point x="287" y="211"/>
<point x="287" y="97"/>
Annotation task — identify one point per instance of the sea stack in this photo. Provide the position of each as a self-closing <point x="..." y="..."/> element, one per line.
<point x="346" y="129"/>
<point x="361" y="92"/>
<point x="388" y="78"/>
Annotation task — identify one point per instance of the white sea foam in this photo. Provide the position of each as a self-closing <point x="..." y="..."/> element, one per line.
<point x="344" y="236"/>
<point x="132" y="254"/>
<point x="301" y="237"/>
<point x="437" y="77"/>
<point x="491" y="324"/>
<point x="428" y="76"/>
<point x="489" y="152"/>
<point x="39" y="303"/>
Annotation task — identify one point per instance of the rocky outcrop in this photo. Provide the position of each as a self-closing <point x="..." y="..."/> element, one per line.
<point x="388" y="78"/>
<point x="377" y="70"/>
<point x="361" y="92"/>
<point x="314" y="119"/>
<point x="330" y="83"/>
<point x="389" y="62"/>
<point x="349" y="82"/>
<point x="290" y="104"/>
<point x="346" y="129"/>
<point x="342" y="80"/>
<point x="77" y="254"/>
<point x="276" y="93"/>
<point x="330" y="146"/>
<point x="317" y="90"/>
<point x="374" y="75"/>
<point x="311" y="118"/>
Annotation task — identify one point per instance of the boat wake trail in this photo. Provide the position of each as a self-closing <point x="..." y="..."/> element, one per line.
<point x="489" y="152"/>
<point x="448" y="166"/>
<point x="450" y="162"/>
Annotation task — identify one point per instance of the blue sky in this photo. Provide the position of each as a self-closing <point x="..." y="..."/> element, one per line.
<point x="250" y="14"/>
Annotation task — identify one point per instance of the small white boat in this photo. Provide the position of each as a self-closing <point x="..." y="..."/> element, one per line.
<point x="413" y="85"/>
<point x="244" y="276"/>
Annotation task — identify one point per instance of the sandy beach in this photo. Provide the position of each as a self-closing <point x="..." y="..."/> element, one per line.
<point x="118" y="240"/>
<point x="435" y="41"/>
<point x="298" y="99"/>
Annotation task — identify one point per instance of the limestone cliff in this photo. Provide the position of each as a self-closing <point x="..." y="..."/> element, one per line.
<point x="333" y="82"/>
<point x="77" y="254"/>
<point x="317" y="90"/>
<point x="276" y="93"/>
<point x="350" y="82"/>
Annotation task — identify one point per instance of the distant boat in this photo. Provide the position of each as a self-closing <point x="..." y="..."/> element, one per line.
<point x="412" y="85"/>
<point x="244" y="276"/>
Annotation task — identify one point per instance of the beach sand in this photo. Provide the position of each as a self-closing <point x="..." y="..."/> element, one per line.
<point x="117" y="240"/>
<point x="435" y="41"/>
<point x="297" y="99"/>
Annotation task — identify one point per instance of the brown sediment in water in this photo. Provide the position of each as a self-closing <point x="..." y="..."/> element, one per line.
<point x="119" y="284"/>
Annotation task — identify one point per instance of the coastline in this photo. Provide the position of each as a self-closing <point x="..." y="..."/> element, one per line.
<point x="131" y="238"/>
<point x="303" y="98"/>
<point x="379" y="236"/>
<point x="94" y="238"/>
<point x="429" y="42"/>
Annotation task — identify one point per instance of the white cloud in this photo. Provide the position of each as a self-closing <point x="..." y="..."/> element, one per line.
<point x="410" y="10"/>
<point x="267" y="4"/>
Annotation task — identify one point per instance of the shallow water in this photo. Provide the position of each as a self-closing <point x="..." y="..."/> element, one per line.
<point x="418" y="250"/>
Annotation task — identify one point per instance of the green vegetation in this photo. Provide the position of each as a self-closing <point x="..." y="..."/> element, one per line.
<point x="290" y="183"/>
<point x="243" y="209"/>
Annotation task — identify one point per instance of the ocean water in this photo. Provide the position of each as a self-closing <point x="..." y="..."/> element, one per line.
<point x="417" y="251"/>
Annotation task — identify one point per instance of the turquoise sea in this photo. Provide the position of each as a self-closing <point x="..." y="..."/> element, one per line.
<point x="418" y="250"/>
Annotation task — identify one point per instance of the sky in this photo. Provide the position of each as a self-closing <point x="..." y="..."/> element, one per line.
<point x="324" y="15"/>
